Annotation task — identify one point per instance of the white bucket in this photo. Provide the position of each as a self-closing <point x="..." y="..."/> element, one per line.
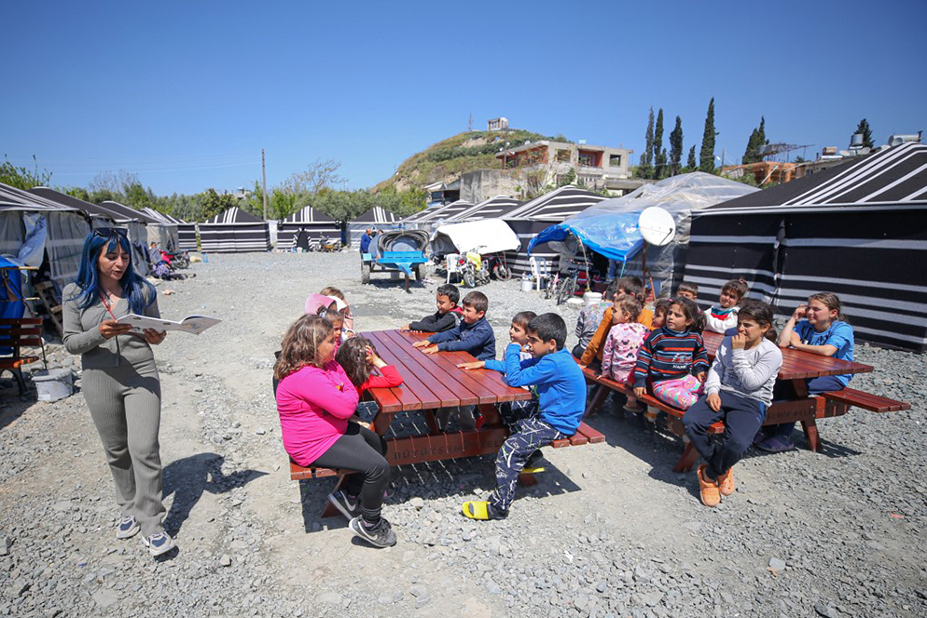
<point x="527" y="285"/>
<point x="53" y="384"/>
<point x="575" y="303"/>
<point x="592" y="298"/>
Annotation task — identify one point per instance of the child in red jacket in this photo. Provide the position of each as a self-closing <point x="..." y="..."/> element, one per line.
<point x="359" y="359"/>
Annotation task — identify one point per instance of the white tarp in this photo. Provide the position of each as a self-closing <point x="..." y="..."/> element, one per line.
<point x="487" y="236"/>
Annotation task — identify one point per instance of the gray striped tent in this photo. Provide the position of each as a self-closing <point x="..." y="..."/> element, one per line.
<point x="376" y="218"/>
<point x="162" y="230"/>
<point x="67" y="228"/>
<point x="539" y="214"/>
<point x="99" y="217"/>
<point x="858" y="230"/>
<point x="304" y="228"/>
<point x="186" y="233"/>
<point x="495" y="207"/>
<point x="412" y="220"/>
<point x="234" y="231"/>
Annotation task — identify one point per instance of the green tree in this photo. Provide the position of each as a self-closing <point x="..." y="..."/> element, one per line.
<point x="645" y="169"/>
<point x="567" y="179"/>
<point x="691" y="165"/>
<point x="78" y="192"/>
<point x="675" y="139"/>
<point x="212" y="203"/>
<point x="754" y="150"/>
<point x="137" y="197"/>
<point x="706" y="158"/>
<point x="863" y="127"/>
<point x="22" y="178"/>
<point x="659" y="158"/>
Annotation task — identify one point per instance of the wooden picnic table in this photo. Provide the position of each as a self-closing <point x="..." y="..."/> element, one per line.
<point x="797" y="366"/>
<point x="433" y="381"/>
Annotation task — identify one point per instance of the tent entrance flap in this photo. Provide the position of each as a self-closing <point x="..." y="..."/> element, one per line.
<point x="615" y="236"/>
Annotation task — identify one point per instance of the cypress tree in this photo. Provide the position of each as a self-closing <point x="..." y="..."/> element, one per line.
<point x="754" y="151"/>
<point x="691" y="164"/>
<point x="645" y="168"/>
<point x="863" y="127"/>
<point x="659" y="153"/>
<point x="675" y="139"/>
<point x="707" y="154"/>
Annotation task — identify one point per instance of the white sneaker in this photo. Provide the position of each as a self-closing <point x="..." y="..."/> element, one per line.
<point x="159" y="543"/>
<point x="127" y="528"/>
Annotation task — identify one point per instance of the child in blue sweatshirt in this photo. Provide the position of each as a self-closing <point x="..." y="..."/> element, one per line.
<point x="561" y="391"/>
<point x="513" y="412"/>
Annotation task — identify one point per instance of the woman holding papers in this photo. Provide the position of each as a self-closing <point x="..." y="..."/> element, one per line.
<point x="120" y="379"/>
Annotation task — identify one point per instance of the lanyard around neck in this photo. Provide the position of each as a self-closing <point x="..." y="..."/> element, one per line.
<point x="106" y="304"/>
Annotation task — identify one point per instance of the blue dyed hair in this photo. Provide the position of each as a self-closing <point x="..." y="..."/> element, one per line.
<point x="139" y="292"/>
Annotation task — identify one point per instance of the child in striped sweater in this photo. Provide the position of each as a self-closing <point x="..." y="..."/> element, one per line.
<point x="673" y="358"/>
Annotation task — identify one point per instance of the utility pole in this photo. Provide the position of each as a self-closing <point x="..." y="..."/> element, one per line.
<point x="264" y="190"/>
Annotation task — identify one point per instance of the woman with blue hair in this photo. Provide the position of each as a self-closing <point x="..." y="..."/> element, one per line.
<point x="120" y="379"/>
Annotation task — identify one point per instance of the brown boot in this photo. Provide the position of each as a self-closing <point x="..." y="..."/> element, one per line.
<point x="708" y="490"/>
<point x="726" y="482"/>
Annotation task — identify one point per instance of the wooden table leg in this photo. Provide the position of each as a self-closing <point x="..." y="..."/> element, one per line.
<point x="432" y="422"/>
<point x="811" y="434"/>
<point x="599" y="395"/>
<point x="687" y="459"/>
<point x="330" y="510"/>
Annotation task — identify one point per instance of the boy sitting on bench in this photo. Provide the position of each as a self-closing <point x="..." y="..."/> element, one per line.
<point x="561" y="392"/>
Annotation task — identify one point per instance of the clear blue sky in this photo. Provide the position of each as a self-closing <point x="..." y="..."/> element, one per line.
<point x="185" y="94"/>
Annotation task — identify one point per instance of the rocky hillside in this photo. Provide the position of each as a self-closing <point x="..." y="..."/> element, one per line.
<point x="464" y="152"/>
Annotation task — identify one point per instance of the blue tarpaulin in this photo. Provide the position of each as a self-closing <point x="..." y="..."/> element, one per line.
<point x="614" y="235"/>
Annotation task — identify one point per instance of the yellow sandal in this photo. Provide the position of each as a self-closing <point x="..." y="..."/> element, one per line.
<point x="476" y="510"/>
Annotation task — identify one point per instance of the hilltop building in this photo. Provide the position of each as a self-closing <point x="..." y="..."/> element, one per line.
<point x="596" y="167"/>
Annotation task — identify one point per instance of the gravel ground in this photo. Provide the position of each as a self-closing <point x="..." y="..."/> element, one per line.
<point x="610" y="530"/>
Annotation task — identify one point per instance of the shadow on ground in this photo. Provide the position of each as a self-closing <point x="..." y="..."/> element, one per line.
<point x="189" y="477"/>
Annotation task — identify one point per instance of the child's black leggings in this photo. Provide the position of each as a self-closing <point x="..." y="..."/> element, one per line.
<point x="362" y="450"/>
<point x="741" y="416"/>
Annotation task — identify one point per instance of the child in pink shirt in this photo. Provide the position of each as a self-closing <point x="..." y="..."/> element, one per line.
<point x="624" y="340"/>
<point x="315" y="399"/>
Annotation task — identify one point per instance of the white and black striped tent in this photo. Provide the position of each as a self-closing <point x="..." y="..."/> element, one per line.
<point x="858" y="230"/>
<point x="537" y="215"/>
<point x="66" y="228"/>
<point x="186" y="233"/>
<point x="376" y="218"/>
<point x="412" y="220"/>
<point x="495" y="207"/>
<point x="234" y="231"/>
<point x="304" y="228"/>
<point x="163" y="229"/>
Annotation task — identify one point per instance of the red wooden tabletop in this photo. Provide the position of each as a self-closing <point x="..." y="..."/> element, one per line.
<point x="434" y="380"/>
<point x="797" y="364"/>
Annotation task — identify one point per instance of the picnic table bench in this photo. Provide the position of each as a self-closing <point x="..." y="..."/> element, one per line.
<point x="15" y="333"/>
<point x="433" y="381"/>
<point x="797" y="366"/>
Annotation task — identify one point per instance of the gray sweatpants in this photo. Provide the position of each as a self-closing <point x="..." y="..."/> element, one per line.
<point x="125" y="404"/>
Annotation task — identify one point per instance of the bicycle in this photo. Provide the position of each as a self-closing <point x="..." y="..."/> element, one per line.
<point x="564" y="288"/>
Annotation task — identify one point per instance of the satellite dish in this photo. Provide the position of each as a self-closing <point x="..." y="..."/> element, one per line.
<point x="657" y="226"/>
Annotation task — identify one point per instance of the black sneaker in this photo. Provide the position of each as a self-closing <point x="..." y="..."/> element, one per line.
<point x="381" y="535"/>
<point x="349" y="507"/>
